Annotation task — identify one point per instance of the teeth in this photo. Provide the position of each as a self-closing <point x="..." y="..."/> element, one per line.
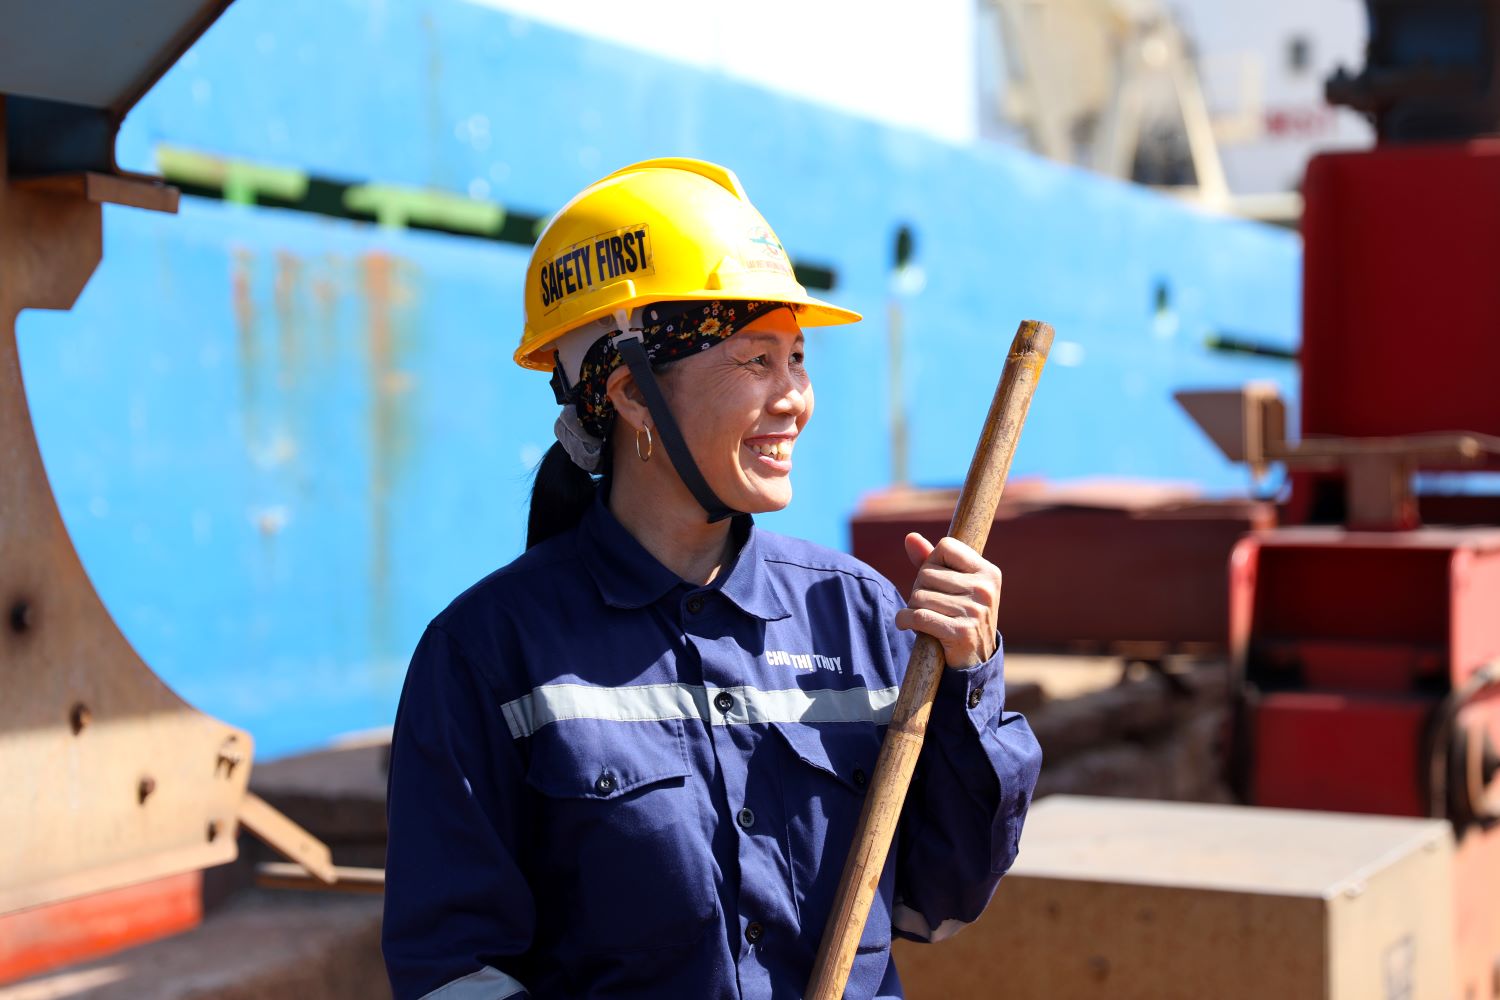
<point x="780" y="450"/>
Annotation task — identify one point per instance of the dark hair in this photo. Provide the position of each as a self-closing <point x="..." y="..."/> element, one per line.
<point x="561" y="494"/>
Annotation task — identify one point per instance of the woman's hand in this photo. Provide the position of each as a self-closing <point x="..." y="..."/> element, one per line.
<point x="955" y="599"/>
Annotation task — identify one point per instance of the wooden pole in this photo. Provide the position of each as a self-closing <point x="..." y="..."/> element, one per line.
<point x="903" y="740"/>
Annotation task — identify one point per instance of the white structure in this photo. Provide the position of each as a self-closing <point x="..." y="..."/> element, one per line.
<point x="1283" y="52"/>
<point x="911" y="65"/>
<point x="1250" y="79"/>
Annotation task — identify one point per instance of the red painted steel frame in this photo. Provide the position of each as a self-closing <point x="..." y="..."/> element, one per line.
<point x="1401" y="301"/>
<point x="1082" y="577"/>
<point x="1348" y="753"/>
<point x="1424" y="605"/>
<point x="36" y="940"/>
<point x="1358" y="637"/>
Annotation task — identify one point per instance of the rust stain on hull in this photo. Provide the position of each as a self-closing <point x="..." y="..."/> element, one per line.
<point x="288" y="317"/>
<point x="386" y="296"/>
<point x="242" y="285"/>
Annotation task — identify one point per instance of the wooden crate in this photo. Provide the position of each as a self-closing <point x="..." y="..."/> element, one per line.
<point x="1156" y="900"/>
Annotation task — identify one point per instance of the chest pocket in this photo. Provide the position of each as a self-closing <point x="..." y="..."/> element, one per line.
<point x="619" y="846"/>
<point x="823" y="793"/>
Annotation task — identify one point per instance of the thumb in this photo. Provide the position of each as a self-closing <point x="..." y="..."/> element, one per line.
<point x="918" y="548"/>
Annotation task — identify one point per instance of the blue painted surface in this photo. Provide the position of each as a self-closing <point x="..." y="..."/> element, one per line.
<point x="282" y="442"/>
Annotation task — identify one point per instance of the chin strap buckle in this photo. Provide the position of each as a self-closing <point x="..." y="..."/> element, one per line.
<point x="623" y="329"/>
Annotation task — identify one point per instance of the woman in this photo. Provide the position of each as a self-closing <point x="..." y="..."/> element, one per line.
<point x="629" y="764"/>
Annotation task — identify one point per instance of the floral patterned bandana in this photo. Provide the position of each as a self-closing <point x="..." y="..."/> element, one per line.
<point x="670" y="331"/>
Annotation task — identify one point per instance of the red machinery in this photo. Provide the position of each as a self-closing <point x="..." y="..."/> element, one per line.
<point x="1369" y="645"/>
<point x="1082" y="541"/>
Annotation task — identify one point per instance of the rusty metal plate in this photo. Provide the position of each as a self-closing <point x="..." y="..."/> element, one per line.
<point x="109" y="777"/>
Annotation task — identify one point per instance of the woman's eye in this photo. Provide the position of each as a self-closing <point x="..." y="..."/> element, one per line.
<point x="798" y="358"/>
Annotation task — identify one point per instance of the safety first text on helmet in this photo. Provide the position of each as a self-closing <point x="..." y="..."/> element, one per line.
<point x="599" y="260"/>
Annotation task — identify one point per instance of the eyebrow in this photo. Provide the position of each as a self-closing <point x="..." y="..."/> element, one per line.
<point x="753" y="335"/>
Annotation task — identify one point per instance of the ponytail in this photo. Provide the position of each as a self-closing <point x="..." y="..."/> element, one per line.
<point x="560" y="495"/>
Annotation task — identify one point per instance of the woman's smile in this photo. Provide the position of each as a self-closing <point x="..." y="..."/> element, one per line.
<point x="774" y="451"/>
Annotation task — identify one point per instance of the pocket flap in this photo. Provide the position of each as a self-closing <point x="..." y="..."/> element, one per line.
<point x="846" y="751"/>
<point x="599" y="759"/>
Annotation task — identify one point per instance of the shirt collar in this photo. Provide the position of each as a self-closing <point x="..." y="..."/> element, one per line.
<point x="630" y="577"/>
<point x="748" y="581"/>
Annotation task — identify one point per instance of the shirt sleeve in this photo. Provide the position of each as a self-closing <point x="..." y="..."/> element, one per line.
<point x="459" y="914"/>
<point x="961" y="824"/>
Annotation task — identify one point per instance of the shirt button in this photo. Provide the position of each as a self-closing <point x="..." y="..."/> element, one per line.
<point x="723" y="701"/>
<point x="976" y="695"/>
<point x="695" y="605"/>
<point x="859" y="776"/>
<point x="746" y="818"/>
<point x="754" y="931"/>
<point x="605" y="783"/>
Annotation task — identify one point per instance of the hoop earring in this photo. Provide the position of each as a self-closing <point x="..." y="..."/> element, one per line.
<point x="650" y="445"/>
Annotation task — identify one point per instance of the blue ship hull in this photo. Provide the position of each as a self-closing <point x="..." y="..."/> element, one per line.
<point x="282" y="440"/>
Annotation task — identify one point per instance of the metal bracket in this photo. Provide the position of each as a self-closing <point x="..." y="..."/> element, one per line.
<point x="1249" y="425"/>
<point x="284" y="836"/>
<point x="360" y="881"/>
<point x="133" y="190"/>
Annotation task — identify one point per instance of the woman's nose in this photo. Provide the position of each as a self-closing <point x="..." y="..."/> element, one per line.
<point x="793" y="398"/>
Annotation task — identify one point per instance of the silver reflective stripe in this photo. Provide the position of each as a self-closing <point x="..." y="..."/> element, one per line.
<point x="753" y="705"/>
<point x="486" y="984"/>
<point x="635" y="703"/>
<point x="906" y="919"/>
<point x="654" y="702"/>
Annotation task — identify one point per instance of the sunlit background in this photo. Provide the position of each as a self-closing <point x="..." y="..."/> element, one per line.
<point x="283" y="427"/>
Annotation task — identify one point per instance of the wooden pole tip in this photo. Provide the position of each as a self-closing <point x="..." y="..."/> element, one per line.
<point x="1033" y="337"/>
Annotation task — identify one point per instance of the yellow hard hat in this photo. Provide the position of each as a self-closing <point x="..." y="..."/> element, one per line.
<point x="659" y="230"/>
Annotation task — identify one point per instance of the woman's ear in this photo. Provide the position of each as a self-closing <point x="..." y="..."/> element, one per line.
<point x="627" y="399"/>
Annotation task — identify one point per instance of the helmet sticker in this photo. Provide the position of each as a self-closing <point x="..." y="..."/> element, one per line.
<point x="766" y="252"/>
<point x="597" y="261"/>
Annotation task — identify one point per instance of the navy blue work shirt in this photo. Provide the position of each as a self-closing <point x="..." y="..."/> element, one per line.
<point x="606" y="782"/>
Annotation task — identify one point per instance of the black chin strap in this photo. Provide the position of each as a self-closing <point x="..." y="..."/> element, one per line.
<point x="634" y="356"/>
